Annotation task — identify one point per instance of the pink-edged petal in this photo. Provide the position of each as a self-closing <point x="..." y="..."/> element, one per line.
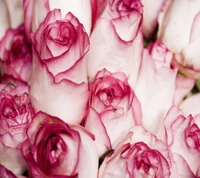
<point x="117" y="55"/>
<point x="183" y="86"/>
<point x="4" y="19"/>
<point x="180" y="168"/>
<point x="155" y="89"/>
<point x="94" y="124"/>
<point x="88" y="152"/>
<point x="150" y="16"/>
<point x="12" y="159"/>
<point x="62" y="99"/>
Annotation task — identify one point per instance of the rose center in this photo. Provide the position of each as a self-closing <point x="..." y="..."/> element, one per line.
<point x="56" y="151"/>
<point x="193" y="137"/>
<point x="107" y="96"/>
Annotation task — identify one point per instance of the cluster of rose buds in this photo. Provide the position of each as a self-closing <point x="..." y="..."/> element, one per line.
<point x="99" y="88"/>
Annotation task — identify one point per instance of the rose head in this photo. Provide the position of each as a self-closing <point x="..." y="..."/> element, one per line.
<point x="116" y="104"/>
<point x="16" y="54"/>
<point x="183" y="137"/>
<point x="137" y="156"/>
<point x="59" y="47"/>
<point x="56" y="149"/>
<point x="15" y="115"/>
<point x="35" y="12"/>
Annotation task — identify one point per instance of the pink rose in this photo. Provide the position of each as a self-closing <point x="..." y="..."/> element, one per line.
<point x="15" y="115"/>
<point x="116" y="104"/>
<point x="116" y="40"/>
<point x="56" y="149"/>
<point x="36" y="11"/>
<point x="179" y="31"/>
<point x="59" y="46"/>
<point x="156" y="85"/>
<point x="182" y="137"/>
<point x="16" y="54"/>
<point x="140" y="154"/>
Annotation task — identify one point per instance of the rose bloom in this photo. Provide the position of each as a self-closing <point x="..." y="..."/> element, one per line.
<point x="56" y="149"/>
<point x="59" y="46"/>
<point x="116" y="104"/>
<point x="15" y="115"/>
<point x="116" y="40"/>
<point x="16" y="54"/>
<point x="181" y="134"/>
<point x="141" y="155"/>
<point x="179" y="31"/>
<point x="35" y="12"/>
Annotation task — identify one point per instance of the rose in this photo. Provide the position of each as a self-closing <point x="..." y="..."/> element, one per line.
<point x="116" y="40"/>
<point x="182" y="137"/>
<point x="36" y="11"/>
<point x="16" y="54"/>
<point x="140" y="154"/>
<point x="151" y="12"/>
<point x="180" y="37"/>
<point x="15" y="116"/>
<point x="156" y="85"/>
<point x="11" y="15"/>
<point x="56" y="149"/>
<point x="59" y="46"/>
<point x="116" y="104"/>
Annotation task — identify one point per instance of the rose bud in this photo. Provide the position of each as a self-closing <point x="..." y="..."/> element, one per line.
<point x="155" y="86"/>
<point x="182" y="136"/>
<point x="15" y="115"/>
<point x="35" y="12"/>
<point x="180" y="37"/>
<point x="116" y="40"/>
<point x="56" y="149"/>
<point x="16" y="54"/>
<point x="151" y="12"/>
<point x="59" y="46"/>
<point x="116" y="104"/>
<point x="140" y="154"/>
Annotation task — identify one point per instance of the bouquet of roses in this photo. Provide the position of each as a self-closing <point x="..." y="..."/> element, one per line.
<point x="100" y="88"/>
